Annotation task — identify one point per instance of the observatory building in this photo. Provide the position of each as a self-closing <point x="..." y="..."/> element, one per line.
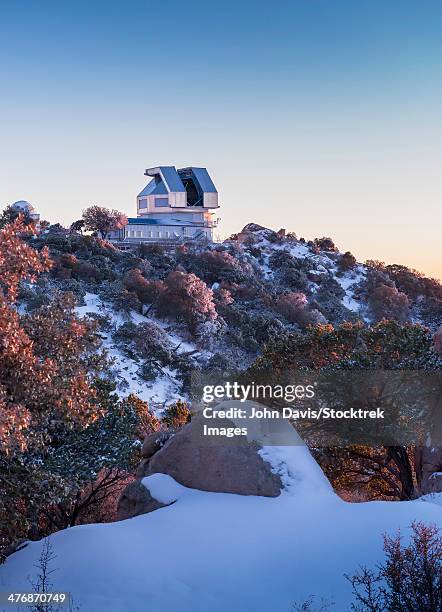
<point x="176" y="205"/>
<point x="22" y="206"/>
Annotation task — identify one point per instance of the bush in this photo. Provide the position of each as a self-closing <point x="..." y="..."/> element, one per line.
<point x="414" y="284"/>
<point x="325" y="244"/>
<point x="125" y="301"/>
<point x="160" y="262"/>
<point x="294" y="307"/>
<point x="279" y="259"/>
<point x="294" y="278"/>
<point x="147" y="291"/>
<point x="346" y="262"/>
<point x="176" y="415"/>
<point x="217" y="266"/>
<point x="186" y="297"/>
<point x="222" y="297"/>
<point x="214" y="266"/>
<point x="208" y="333"/>
<point x="410" y="578"/>
<point x="148" y="340"/>
<point x="388" y="303"/>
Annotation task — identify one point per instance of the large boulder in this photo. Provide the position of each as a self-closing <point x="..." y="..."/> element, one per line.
<point x="135" y="500"/>
<point x="428" y="462"/>
<point x="232" y="466"/>
<point x="153" y="442"/>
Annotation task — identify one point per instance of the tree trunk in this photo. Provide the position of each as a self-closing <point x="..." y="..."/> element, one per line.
<point x="399" y="456"/>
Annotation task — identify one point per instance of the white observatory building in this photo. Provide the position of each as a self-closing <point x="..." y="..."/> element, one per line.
<point x="176" y="205"/>
<point x="22" y="206"/>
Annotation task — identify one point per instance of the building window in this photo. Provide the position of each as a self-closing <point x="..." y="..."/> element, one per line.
<point x="161" y="202"/>
<point x="142" y="203"/>
<point x="139" y="234"/>
<point x="150" y="234"/>
<point x="159" y="234"/>
<point x="167" y="234"/>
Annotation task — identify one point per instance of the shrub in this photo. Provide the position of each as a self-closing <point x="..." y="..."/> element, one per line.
<point x="255" y="252"/>
<point x="10" y="214"/>
<point x="388" y="303"/>
<point x="176" y="415"/>
<point x="410" y="578"/>
<point x="220" y="265"/>
<point x="222" y="297"/>
<point x="104" y="321"/>
<point x="147" y="422"/>
<point x="279" y="259"/>
<point x="187" y="297"/>
<point x="148" y="250"/>
<point x="413" y="283"/>
<point x="125" y="301"/>
<point x="431" y="312"/>
<point x="147" y="291"/>
<point x="208" y="333"/>
<point x="294" y="278"/>
<point x="148" y="370"/>
<point x="161" y="263"/>
<point x="346" y="262"/>
<point x="245" y="291"/>
<point x="325" y="244"/>
<point x="148" y="340"/>
<point x="294" y="307"/>
<point x="88" y="272"/>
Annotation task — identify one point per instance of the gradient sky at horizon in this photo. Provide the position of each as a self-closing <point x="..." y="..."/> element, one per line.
<point x="321" y="117"/>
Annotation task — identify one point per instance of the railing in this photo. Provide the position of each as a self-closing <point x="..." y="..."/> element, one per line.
<point x="167" y="242"/>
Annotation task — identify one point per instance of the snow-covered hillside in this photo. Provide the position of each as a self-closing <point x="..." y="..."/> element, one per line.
<point x="160" y="317"/>
<point x="218" y="552"/>
<point x="165" y="389"/>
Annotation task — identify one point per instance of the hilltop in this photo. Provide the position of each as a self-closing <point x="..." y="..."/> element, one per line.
<point x="123" y="333"/>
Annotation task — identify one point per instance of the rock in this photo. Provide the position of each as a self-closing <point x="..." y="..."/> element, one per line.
<point x="254" y="227"/>
<point x="428" y="462"/>
<point x="252" y="233"/>
<point x="232" y="466"/>
<point x="153" y="442"/>
<point x="136" y="500"/>
<point x="142" y="468"/>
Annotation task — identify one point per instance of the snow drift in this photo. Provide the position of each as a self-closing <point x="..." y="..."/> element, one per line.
<point x="217" y="551"/>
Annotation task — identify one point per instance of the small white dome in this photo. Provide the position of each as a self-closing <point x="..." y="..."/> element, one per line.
<point x="23" y="205"/>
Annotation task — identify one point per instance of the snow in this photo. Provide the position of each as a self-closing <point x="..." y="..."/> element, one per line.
<point x="217" y="552"/>
<point x="166" y="388"/>
<point x="164" y="488"/>
<point x="347" y="281"/>
<point x="298" y="472"/>
<point x="321" y="265"/>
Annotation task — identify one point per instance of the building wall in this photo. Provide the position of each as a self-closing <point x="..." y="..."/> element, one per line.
<point x="210" y="200"/>
<point x="148" y="204"/>
<point x="163" y="232"/>
<point x="171" y="217"/>
<point x="174" y="201"/>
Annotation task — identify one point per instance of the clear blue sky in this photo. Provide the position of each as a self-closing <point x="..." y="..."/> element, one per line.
<point x="321" y="116"/>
